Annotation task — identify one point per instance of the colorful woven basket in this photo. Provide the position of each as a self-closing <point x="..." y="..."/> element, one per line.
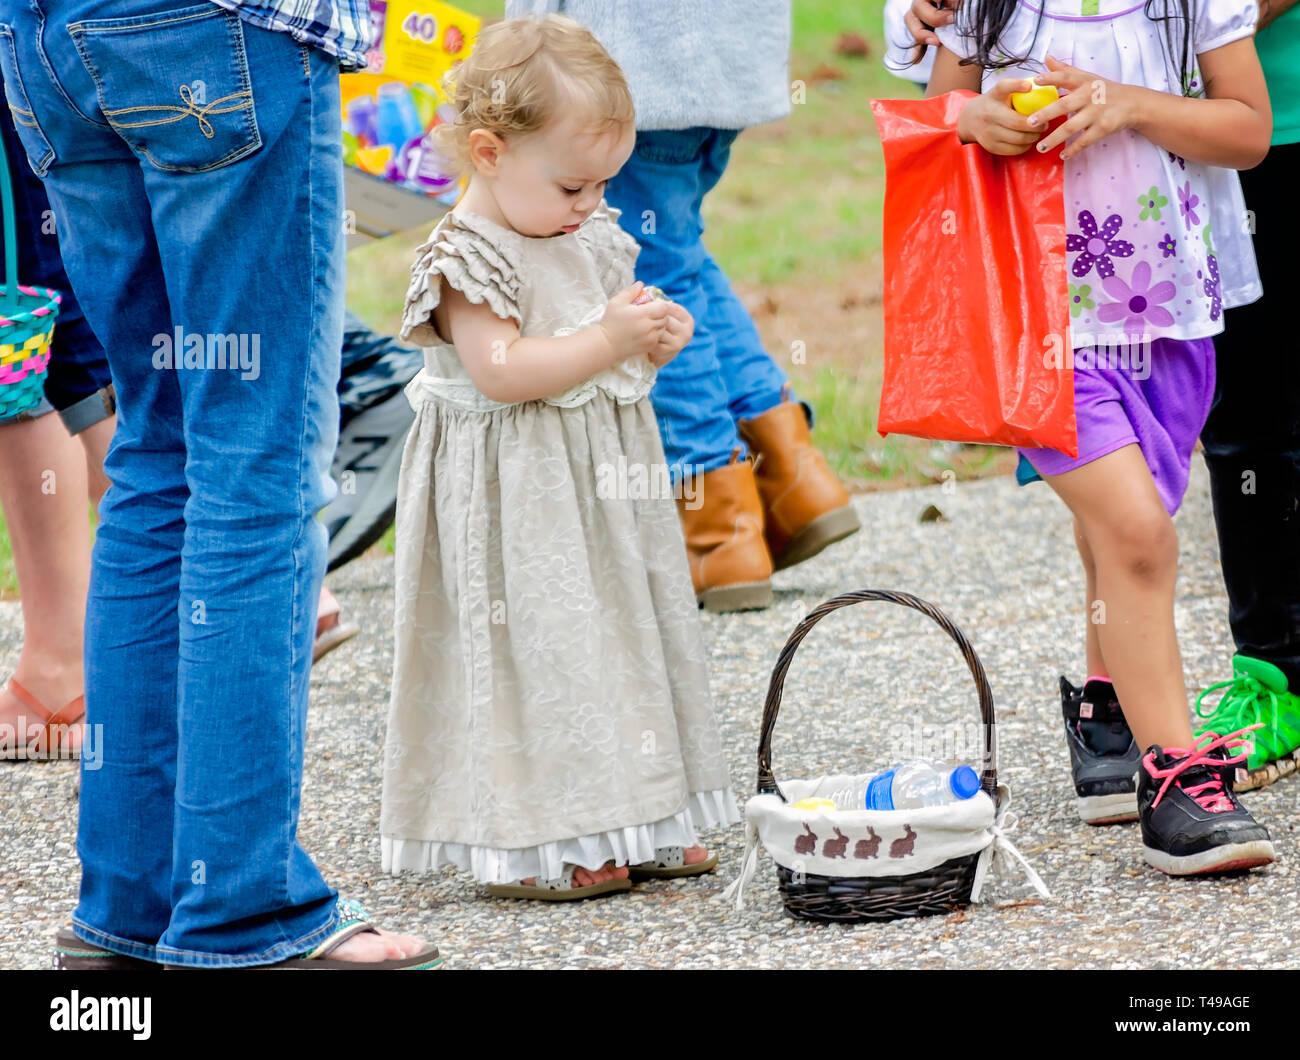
<point x="27" y="316"/>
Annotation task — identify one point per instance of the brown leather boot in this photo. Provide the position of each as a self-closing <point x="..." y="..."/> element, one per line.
<point x="722" y="520"/>
<point x="804" y="506"/>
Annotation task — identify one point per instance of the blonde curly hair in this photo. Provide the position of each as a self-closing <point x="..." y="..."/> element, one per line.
<point x="524" y="73"/>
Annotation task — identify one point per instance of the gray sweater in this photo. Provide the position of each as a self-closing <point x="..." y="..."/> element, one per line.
<point x="723" y="63"/>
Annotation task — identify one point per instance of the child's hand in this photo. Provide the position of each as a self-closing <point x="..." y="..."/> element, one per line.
<point x="1097" y="108"/>
<point x="990" y="121"/>
<point x="633" y="330"/>
<point x="924" y="17"/>
<point x="678" y="330"/>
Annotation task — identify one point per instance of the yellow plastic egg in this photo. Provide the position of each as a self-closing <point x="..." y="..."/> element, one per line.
<point x="1035" y="99"/>
<point x="814" y="804"/>
<point x="374" y="159"/>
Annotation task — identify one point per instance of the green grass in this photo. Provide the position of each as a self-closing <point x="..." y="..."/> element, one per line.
<point x="802" y="198"/>
<point x="8" y="577"/>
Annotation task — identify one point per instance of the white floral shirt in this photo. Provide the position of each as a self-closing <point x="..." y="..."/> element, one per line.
<point x="1157" y="246"/>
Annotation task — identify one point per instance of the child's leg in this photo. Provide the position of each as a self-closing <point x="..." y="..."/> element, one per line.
<point x="1096" y="662"/>
<point x="1134" y="549"/>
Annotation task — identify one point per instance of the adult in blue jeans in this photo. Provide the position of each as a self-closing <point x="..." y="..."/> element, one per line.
<point x="699" y="74"/>
<point x="192" y="158"/>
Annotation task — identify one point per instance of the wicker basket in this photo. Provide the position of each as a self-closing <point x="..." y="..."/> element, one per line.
<point x="974" y="827"/>
<point x="27" y="316"/>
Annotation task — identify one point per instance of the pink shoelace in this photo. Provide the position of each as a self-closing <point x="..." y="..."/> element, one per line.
<point x="1209" y="796"/>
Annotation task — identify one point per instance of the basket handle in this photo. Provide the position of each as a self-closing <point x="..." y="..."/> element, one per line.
<point x="767" y="782"/>
<point x="10" y="302"/>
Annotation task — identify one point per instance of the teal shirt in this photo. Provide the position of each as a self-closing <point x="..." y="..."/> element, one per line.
<point x="1278" y="45"/>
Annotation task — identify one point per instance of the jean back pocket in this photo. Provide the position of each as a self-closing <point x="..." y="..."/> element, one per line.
<point x="39" y="152"/>
<point x="175" y="86"/>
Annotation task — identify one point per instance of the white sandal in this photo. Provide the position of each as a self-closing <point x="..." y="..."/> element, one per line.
<point x="670" y="863"/>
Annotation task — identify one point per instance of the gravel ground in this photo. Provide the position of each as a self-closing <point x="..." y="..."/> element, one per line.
<point x="1002" y="565"/>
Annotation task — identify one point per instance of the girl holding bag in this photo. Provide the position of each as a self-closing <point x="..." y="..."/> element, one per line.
<point x="1161" y="101"/>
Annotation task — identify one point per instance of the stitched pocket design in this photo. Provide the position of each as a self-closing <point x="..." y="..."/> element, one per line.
<point x="174" y="86"/>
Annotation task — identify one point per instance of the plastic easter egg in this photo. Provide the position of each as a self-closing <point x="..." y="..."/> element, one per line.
<point x="1035" y="99"/>
<point x="650" y="294"/>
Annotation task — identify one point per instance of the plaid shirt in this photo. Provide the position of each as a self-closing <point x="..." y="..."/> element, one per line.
<point x="339" y="27"/>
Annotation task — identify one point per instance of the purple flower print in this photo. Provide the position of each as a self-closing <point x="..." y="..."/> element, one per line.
<point x="1182" y="163"/>
<point x="1096" y="246"/>
<point x="1135" y="301"/>
<point x="1212" y="287"/>
<point x="1187" y="202"/>
<point x="1168" y="245"/>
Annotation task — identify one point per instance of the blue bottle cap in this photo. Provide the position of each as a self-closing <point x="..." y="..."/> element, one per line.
<point x="964" y="782"/>
<point x="880" y="793"/>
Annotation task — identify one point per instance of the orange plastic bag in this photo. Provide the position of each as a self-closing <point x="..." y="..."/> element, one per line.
<point x="976" y="311"/>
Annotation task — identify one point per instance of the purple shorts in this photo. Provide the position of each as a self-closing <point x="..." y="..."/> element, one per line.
<point x="1158" y="398"/>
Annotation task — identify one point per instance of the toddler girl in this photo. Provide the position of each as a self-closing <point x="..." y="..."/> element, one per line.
<point x="1163" y="100"/>
<point x="551" y="729"/>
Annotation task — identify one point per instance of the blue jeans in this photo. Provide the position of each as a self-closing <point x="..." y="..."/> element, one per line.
<point x="724" y="374"/>
<point x="193" y="163"/>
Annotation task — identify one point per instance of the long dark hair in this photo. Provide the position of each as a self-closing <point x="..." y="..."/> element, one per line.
<point x="984" y="22"/>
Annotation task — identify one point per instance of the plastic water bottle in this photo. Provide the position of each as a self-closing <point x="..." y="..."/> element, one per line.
<point x="909" y="786"/>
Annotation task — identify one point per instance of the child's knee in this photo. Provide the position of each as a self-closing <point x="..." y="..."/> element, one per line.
<point x="1143" y="545"/>
<point x="1138" y="544"/>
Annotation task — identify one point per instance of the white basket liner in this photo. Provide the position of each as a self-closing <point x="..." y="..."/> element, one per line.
<point x="941" y="833"/>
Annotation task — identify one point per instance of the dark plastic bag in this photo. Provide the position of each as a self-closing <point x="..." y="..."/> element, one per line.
<point x="976" y="311"/>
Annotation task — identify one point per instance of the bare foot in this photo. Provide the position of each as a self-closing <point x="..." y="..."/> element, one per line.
<point x="694" y="855"/>
<point x="367" y="948"/>
<point x="586" y="877"/>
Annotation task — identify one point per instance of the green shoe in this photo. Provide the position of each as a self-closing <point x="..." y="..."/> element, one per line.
<point x="1257" y="694"/>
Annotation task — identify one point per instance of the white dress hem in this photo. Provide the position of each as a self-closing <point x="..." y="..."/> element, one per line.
<point x="623" y="846"/>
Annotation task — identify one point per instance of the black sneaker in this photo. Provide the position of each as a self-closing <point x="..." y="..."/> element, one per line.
<point x="1191" y="819"/>
<point x="1103" y="757"/>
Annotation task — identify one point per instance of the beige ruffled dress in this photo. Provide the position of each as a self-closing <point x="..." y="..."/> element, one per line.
<point x="550" y="700"/>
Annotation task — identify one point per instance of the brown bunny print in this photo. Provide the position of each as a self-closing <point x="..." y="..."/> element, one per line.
<point x="806" y="844"/>
<point x="867" y="848"/>
<point x="902" y="848"/>
<point x="836" y="848"/>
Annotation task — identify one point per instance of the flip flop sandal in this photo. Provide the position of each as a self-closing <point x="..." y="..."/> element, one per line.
<point x="670" y="863"/>
<point x="330" y="633"/>
<point x="356" y="921"/>
<point x="44" y="748"/>
<point x="72" y="954"/>
<point x="560" y="889"/>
